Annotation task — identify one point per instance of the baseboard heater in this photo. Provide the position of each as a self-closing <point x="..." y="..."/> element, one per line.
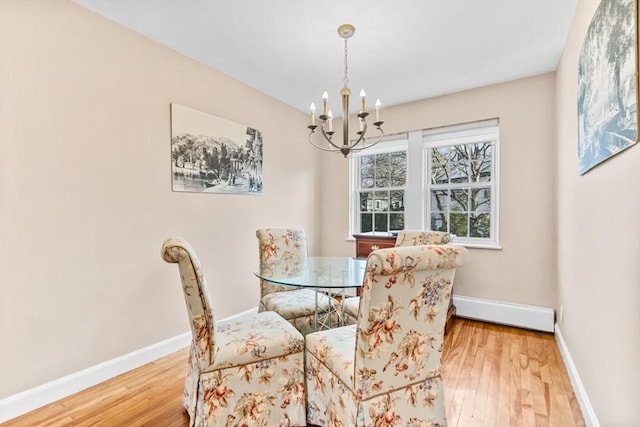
<point x="505" y="313"/>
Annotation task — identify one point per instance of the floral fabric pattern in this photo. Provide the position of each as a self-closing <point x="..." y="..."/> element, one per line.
<point x="298" y="303"/>
<point x="245" y="371"/>
<point x="385" y="369"/>
<point x="415" y="238"/>
<point x="245" y="339"/>
<point x="350" y="307"/>
<point x="282" y="254"/>
<point x="404" y="238"/>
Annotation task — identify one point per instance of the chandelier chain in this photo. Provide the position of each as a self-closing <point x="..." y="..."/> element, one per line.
<point x="346" y="65"/>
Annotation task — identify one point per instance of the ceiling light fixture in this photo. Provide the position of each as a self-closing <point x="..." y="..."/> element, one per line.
<point x="345" y="31"/>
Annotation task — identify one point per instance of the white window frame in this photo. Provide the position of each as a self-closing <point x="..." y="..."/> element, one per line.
<point x="487" y="130"/>
<point x="416" y="203"/>
<point x="390" y="144"/>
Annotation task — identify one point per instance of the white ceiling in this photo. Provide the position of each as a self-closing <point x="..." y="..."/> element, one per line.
<point x="402" y="50"/>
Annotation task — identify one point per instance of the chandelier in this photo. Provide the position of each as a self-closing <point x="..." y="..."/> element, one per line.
<point x="326" y="128"/>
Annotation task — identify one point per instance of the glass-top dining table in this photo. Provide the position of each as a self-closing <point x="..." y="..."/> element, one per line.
<point x="332" y="276"/>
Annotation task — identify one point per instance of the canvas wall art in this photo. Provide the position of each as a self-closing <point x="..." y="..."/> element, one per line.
<point x="608" y="84"/>
<point x="210" y="154"/>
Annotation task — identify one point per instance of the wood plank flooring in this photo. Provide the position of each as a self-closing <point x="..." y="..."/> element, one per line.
<point x="493" y="376"/>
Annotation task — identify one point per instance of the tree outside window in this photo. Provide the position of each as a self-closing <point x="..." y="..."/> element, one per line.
<point x="460" y="190"/>
<point x="382" y="180"/>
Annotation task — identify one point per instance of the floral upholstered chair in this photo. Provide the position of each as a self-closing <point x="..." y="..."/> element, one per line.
<point x="385" y="370"/>
<point x="282" y="254"/>
<point x="419" y="237"/>
<point x="247" y="370"/>
<point x="404" y="238"/>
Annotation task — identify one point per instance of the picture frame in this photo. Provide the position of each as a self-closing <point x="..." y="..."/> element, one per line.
<point x="210" y="154"/>
<point x="608" y="84"/>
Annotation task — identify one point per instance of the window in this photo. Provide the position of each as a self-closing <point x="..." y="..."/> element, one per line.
<point x="442" y="179"/>
<point x="461" y="182"/>
<point x="381" y="182"/>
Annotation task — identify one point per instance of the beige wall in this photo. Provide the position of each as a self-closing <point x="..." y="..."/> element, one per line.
<point x="598" y="255"/>
<point x="524" y="271"/>
<point x="85" y="202"/>
<point x="85" y="191"/>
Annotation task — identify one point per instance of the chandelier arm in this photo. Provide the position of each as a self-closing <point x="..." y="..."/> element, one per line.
<point x="352" y="147"/>
<point x="362" y="134"/>
<point x="326" y="137"/>
<point x="364" y="146"/>
<point x="333" y="150"/>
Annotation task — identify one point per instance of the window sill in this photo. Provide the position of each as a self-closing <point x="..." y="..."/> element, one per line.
<point x="493" y="246"/>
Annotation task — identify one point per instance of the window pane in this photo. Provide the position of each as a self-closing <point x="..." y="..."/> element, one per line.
<point x="459" y="200"/>
<point x="397" y="200"/>
<point x="480" y="225"/>
<point x="382" y="170"/>
<point x="459" y="224"/>
<point x="366" y="201"/>
<point x="366" y="223"/>
<point x="481" y="200"/>
<point x="398" y="169"/>
<point x="481" y="171"/>
<point x="381" y="222"/>
<point x="366" y="171"/>
<point x="439" y="200"/>
<point x="381" y="202"/>
<point x="459" y="172"/>
<point x="439" y="164"/>
<point x="460" y="153"/>
<point x="480" y="151"/>
<point x="480" y="155"/>
<point x="438" y="221"/>
<point x="396" y="221"/>
<point x="441" y="154"/>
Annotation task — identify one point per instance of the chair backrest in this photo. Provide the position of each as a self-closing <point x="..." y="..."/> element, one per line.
<point x="282" y="254"/>
<point x="421" y="237"/>
<point x="403" y="309"/>
<point x="196" y="295"/>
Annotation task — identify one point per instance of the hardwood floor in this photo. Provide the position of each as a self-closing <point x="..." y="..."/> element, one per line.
<point x="493" y="376"/>
<point x="501" y="376"/>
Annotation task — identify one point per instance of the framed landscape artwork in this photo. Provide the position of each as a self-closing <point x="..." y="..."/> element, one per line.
<point x="210" y="154"/>
<point x="608" y="84"/>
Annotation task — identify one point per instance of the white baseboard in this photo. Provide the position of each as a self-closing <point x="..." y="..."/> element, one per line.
<point x="504" y="313"/>
<point x="44" y="394"/>
<point x="588" y="413"/>
<point x="28" y="400"/>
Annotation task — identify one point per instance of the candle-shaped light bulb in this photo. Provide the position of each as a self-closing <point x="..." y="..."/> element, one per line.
<point x="378" y="105"/>
<point x="325" y="100"/>
<point x="312" y="108"/>
<point x="330" y="114"/>
<point x="363" y="95"/>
